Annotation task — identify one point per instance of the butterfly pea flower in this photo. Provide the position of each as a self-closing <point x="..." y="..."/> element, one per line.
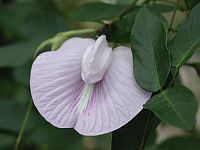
<point x="87" y="85"/>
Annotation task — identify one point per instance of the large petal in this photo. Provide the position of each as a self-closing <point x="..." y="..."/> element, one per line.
<point x="116" y="100"/>
<point x="56" y="82"/>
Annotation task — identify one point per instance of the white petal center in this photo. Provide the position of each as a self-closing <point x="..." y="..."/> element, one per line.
<point x="84" y="98"/>
<point x="96" y="60"/>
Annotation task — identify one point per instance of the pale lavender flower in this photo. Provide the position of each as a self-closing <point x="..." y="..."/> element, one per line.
<point x="86" y="86"/>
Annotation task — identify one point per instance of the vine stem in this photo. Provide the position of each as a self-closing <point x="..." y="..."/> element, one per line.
<point x="24" y="124"/>
<point x="142" y="146"/>
<point x="134" y="2"/>
<point x="186" y="4"/>
<point x="174" y="77"/>
<point x="166" y="1"/>
<point x="174" y="14"/>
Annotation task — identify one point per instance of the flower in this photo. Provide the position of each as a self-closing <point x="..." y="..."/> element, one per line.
<point x="86" y="86"/>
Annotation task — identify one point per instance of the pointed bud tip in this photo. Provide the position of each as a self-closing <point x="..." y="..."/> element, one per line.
<point x="96" y="60"/>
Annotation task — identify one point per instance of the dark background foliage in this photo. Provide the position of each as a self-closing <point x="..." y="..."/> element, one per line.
<point x="24" y="24"/>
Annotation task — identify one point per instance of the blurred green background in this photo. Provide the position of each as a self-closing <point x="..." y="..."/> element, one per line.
<point x="24" y="24"/>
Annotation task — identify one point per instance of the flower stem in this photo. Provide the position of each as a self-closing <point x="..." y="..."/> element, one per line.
<point x="24" y="124"/>
<point x="187" y="5"/>
<point x="173" y="15"/>
<point x="167" y="1"/>
<point x="63" y="36"/>
<point x="134" y="2"/>
<point x="174" y="77"/>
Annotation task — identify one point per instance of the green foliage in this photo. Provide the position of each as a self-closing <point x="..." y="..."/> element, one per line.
<point x="191" y="3"/>
<point x="124" y="1"/>
<point x="161" y="8"/>
<point x="37" y="23"/>
<point x="150" y="55"/>
<point x="7" y="141"/>
<point x="14" y="115"/>
<point x="183" y="143"/>
<point x="134" y="135"/>
<point x="9" y="87"/>
<point x="143" y="24"/>
<point x="51" y="138"/>
<point x="187" y="40"/>
<point x="176" y="106"/>
<point x="97" y="12"/>
<point x="121" y="29"/>
<point x="31" y="20"/>
<point x="22" y="73"/>
<point x="11" y="55"/>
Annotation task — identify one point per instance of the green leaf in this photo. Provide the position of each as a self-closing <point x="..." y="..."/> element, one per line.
<point x="187" y="39"/>
<point x="6" y="141"/>
<point x="176" y="106"/>
<point x="15" y="55"/>
<point x="31" y="19"/>
<point x="134" y="135"/>
<point x="161" y="8"/>
<point x="53" y="138"/>
<point x="10" y="88"/>
<point x="42" y="24"/>
<point x="191" y="3"/>
<point x="11" y="115"/>
<point x="46" y="136"/>
<point x="33" y="22"/>
<point x="124" y="1"/>
<point x="121" y="29"/>
<point x="97" y="12"/>
<point x="182" y="143"/>
<point x="12" y="16"/>
<point x="150" y="55"/>
<point x="22" y="73"/>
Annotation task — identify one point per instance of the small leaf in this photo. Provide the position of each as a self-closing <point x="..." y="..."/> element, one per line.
<point x="161" y="8"/>
<point x="191" y="3"/>
<point x="7" y="141"/>
<point x="45" y="133"/>
<point x="176" y="106"/>
<point x="187" y="39"/>
<point x="124" y="1"/>
<point x="22" y="73"/>
<point x="121" y="29"/>
<point x="150" y="54"/>
<point x="134" y="135"/>
<point x="32" y="22"/>
<point x="31" y="19"/>
<point x="15" y="55"/>
<point x="97" y="12"/>
<point x="11" y="115"/>
<point x="182" y="143"/>
<point x="10" y="88"/>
